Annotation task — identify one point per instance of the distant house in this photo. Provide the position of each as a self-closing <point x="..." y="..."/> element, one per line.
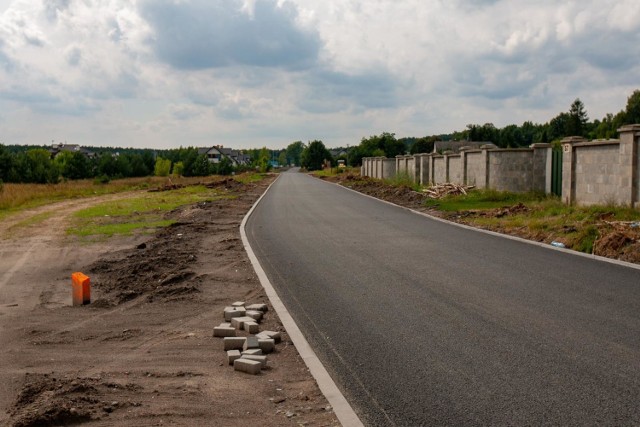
<point x="455" y="146"/>
<point x="238" y="158"/>
<point x="56" y="149"/>
<point x="214" y="155"/>
<point x="339" y="152"/>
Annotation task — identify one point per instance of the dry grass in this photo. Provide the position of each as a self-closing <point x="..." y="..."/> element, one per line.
<point x="14" y="197"/>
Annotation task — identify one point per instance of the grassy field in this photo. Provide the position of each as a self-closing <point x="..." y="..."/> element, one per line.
<point x="15" y="197"/>
<point x="140" y="214"/>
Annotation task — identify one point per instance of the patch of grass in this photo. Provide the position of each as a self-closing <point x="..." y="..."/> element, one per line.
<point x="404" y="180"/>
<point x="484" y="199"/>
<point x="140" y="213"/>
<point x="546" y="217"/>
<point x="248" y="178"/>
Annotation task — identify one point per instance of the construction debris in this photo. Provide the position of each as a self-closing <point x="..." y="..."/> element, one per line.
<point x="439" y="191"/>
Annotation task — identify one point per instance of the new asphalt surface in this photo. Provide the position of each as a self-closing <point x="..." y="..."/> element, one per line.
<point x="421" y="322"/>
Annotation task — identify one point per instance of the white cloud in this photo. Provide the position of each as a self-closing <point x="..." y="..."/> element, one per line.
<point x="266" y="72"/>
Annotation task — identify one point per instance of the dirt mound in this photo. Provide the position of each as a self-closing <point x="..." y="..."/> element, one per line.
<point x="401" y="195"/>
<point x="161" y="268"/>
<point x="616" y="243"/>
<point x="46" y="400"/>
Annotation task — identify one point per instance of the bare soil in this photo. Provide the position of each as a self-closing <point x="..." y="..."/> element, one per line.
<point x="142" y="353"/>
<point x="615" y="240"/>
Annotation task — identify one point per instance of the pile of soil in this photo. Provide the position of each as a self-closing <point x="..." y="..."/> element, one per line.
<point x="400" y="195"/>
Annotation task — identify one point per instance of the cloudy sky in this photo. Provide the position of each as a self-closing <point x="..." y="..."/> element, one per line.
<point x="252" y="73"/>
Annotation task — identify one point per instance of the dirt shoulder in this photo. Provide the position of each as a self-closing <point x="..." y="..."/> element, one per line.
<point x="612" y="239"/>
<point x="142" y="353"/>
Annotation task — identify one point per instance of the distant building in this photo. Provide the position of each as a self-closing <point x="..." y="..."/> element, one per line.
<point x="238" y="158"/>
<point x="56" y="149"/>
<point x="214" y="155"/>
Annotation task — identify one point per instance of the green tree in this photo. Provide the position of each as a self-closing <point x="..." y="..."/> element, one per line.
<point x="178" y="168"/>
<point x="263" y="162"/>
<point x="201" y="167"/>
<point x="576" y="124"/>
<point x="224" y="166"/>
<point x="162" y="167"/>
<point x="293" y="152"/>
<point x="314" y="155"/>
<point x="282" y="158"/>
<point x="73" y="165"/>
<point x="423" y="145"/>
<point x="7" y="161"/>
<point x="41" y="169"/>
<point x="632" y="112"/>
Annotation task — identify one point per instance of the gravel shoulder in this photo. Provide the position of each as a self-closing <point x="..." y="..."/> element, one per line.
<point x="142" y="353"/>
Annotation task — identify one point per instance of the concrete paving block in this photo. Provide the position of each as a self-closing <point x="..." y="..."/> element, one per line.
<point x="238" y="322"/>
<point x="251" y="342"/>
<point x="232" y="312"/>
<point x="255" y="314"/>
<point x="252" y="367"/>
<point x="263" y="336"/>
<point x="234" y="343"/>
<point x="251" y="327"/>
<point x="253" y="352"/>
<point x="259" y="307"/>
<point x="225" y="324"/>
<point x="224" y="331"/>
<point x="267" y="346"/>
<point x="238" y="304"/>
<point x="232" y="355"/>
<point x="276" y="336"/>
<point x="261" y="359"/>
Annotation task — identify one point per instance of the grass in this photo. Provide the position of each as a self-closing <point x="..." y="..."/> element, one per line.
<point x="403" y="180"/>
<point x="16" y="197"/>
<point x="546" y="217"/>
<point x="143" y="213"/>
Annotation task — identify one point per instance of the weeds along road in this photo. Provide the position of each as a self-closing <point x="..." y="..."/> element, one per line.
<point x="425" y="323"/>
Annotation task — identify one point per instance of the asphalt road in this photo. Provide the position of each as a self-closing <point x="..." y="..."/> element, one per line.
<point x="425" y="323"/>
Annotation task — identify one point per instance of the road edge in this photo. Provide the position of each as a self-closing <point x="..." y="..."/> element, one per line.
<point x="343" y="410"/>
<point x="495" y="233"/>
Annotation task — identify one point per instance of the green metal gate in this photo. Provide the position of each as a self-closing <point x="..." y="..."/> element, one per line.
<point x="556" y="172"/>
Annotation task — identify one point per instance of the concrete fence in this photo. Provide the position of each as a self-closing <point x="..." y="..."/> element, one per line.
<point x="522" y="169"/>
<point x="602" y="171"/>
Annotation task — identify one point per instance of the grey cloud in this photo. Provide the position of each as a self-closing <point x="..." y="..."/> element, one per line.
<point x="51" y="8"/>
<point x="201" y="34"/>
<point x="331" y="91"/>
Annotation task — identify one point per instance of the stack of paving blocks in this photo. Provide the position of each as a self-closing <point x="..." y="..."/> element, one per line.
<point x="246" y="354"/>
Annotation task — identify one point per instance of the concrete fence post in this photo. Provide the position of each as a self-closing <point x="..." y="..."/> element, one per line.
<point x="629" y="164"/>
<point x="484" y="170"/>
<point x="568" y="168"/>
<point x="463" y="164"/>
<point x="542" y="167"/>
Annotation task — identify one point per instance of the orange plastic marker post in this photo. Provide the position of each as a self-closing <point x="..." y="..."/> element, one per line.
<point x="81" y="292"/>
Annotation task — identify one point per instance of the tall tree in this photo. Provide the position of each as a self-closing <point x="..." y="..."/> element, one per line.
<point x="577" y="123"/>
<point x="314" y="155"/>
<point x="632" y="112"/>
<point x="293" y="152"/>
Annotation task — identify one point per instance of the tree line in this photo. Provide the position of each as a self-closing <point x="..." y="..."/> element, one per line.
<point x="29" y="164"/>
